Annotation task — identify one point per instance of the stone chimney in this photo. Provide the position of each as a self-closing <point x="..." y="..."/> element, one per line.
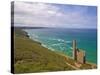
<point x="74" y="50"/>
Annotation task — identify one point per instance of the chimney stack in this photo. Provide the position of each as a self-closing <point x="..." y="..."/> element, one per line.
<point x="74" y="50"/>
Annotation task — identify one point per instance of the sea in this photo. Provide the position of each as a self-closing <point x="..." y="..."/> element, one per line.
<point x="60" y="39"/>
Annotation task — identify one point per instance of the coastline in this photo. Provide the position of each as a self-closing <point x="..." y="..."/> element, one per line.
<point x="63" y="42"/>
<point x="27" y="51"/>
<point x="60" y="53"/>
<point x="43" y="45"/>
<point x="65" y="56"/>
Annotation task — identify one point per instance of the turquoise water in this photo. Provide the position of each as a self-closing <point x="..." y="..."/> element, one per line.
<point x="61" y="40"/>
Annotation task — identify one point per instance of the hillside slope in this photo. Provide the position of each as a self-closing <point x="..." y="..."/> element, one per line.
<point x="30" y="56"/>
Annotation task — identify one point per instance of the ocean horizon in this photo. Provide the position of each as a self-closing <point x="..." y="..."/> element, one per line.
<point x="60" y="39"/>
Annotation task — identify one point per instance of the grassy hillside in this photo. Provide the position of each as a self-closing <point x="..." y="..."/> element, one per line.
<point x="30" y="56"/>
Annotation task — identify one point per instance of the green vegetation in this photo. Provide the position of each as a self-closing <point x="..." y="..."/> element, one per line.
<point x="30" y="56"/>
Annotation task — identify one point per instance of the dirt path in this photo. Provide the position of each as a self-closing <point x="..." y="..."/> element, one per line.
<point x="72" y="66"/>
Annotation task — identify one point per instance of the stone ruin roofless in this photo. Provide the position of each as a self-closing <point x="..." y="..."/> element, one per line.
<point x="78" y="55"/>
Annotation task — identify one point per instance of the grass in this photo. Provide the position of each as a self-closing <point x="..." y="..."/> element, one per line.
<point x="30" y="56"/>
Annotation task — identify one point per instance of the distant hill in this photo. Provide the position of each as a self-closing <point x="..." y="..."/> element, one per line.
<point x="24" y="27"/>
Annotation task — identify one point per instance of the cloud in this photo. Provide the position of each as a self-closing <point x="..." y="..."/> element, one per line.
<point x="53" y="15"/>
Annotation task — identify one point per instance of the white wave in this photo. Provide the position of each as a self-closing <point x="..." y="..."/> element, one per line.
<point x="57" y="44"/>
<point x="61" y="40"/>
<point x="35" y="36"/>
<point x="48" y="47"/>
<point x="44" y="45"/>
<point x="51" y="49"/>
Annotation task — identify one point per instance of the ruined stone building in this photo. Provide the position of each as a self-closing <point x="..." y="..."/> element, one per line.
<point x="78" y="55"/>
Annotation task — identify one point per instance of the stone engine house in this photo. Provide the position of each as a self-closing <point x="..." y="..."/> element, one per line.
<point x="78" y="55"/>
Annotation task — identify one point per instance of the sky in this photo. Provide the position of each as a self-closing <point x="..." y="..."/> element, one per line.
<point x="33" y="14"/>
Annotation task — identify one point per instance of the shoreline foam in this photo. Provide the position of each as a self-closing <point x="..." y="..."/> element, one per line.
<point x="57" y="52"/>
